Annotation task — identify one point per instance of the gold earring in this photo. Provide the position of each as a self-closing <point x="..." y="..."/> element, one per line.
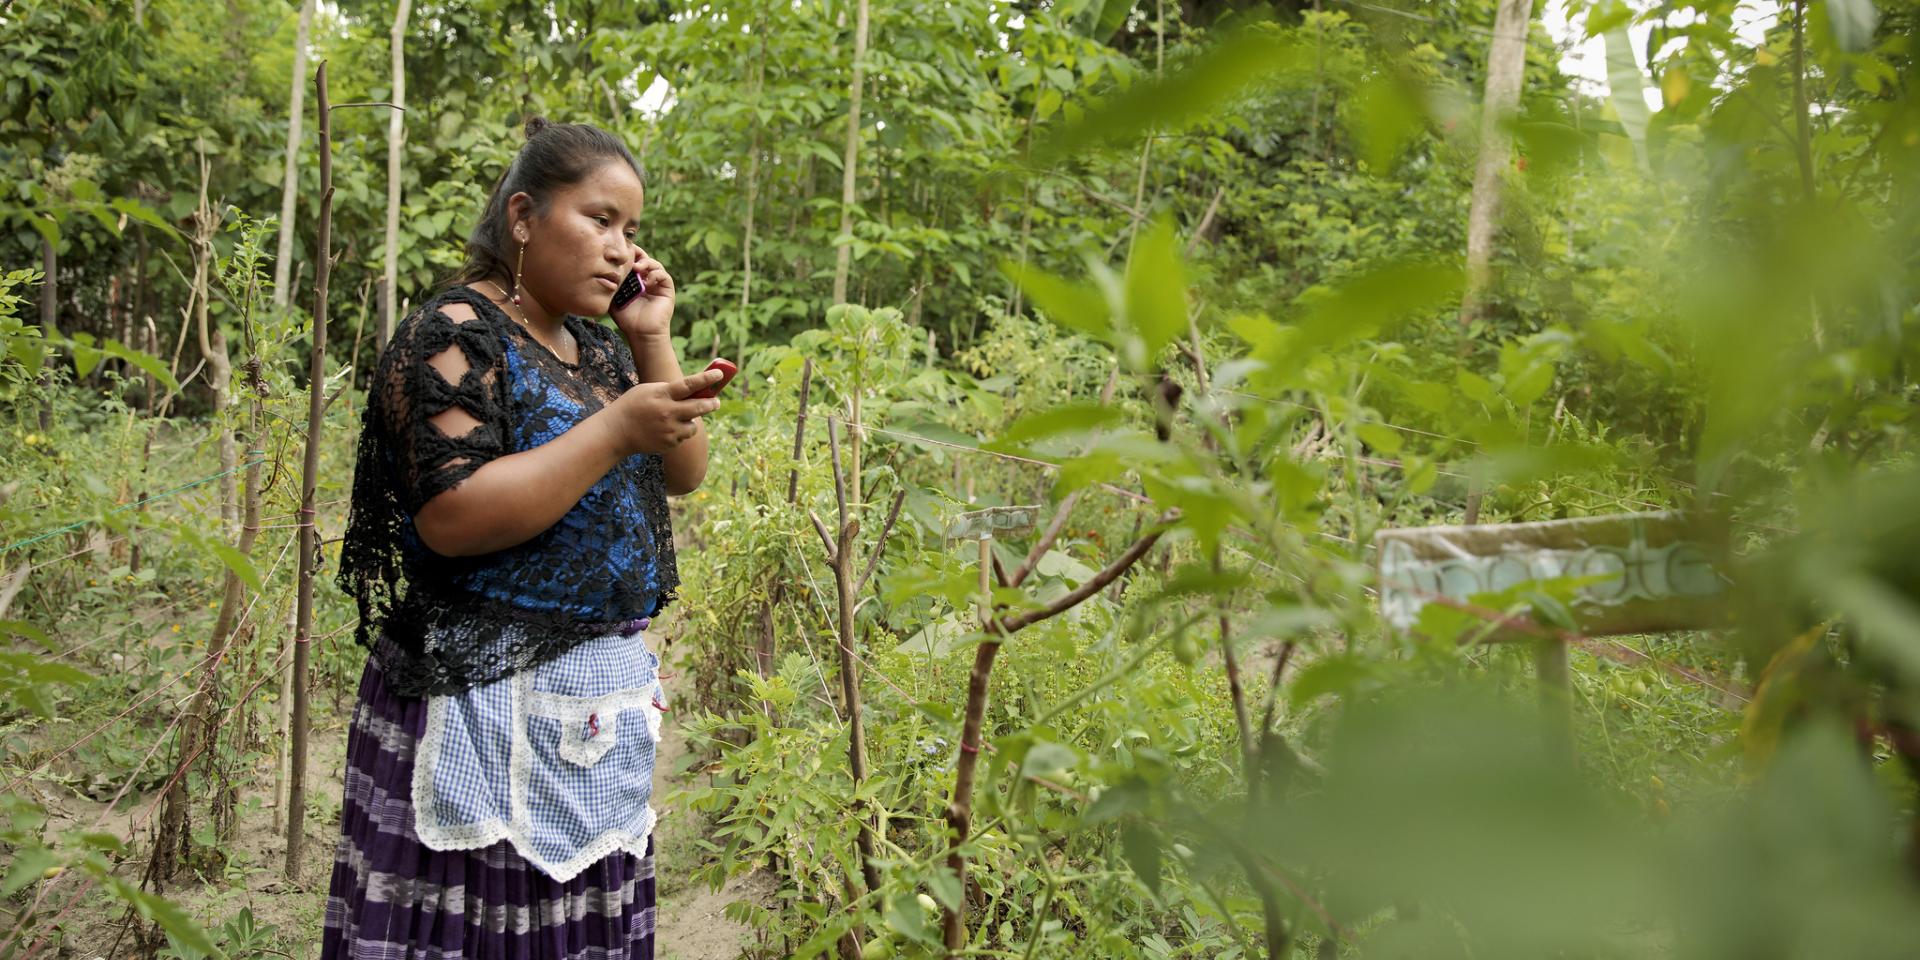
<point x="518" y="263"/>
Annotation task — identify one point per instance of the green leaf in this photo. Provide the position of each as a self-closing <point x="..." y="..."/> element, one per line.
<point x="1156" y="286"/>
<point x="1047" y="104"/>
<point x="1141" y="847"/>
<point x="1606" y="16"/>
<point x="179" y="926"/>
<point x="1853" y="23"/>
<point x="905" y="917"/>
<point x="1113" y="15"/>
<point x="141" y="212"/>
<point x="1046" y="760"/>
<point x="239" y="564"/>
<point x="21" y="628"/>
<point x="1420" y="473"/>
<point x="1339" y="674"/>
<point x="1057" y="564"/>
<point x="85" y="355"/>
<point x="1118" y="800"/>
<point x="145" y="361"/>
<point x="1197" y="91"/>
<point x="1625" y="83"/>
<point x="824" y="152"/>
<point x="1363" y="306"/>
<point x="49" y="229"/>
<point x="1478" y="389"/>
<point x="1072" y="419"/>
<point x="945" y="887"/>
<point x="1380" y="437"/>
<point x="1389" y="113"/>
<point x="1075" y="306"/>
<point x="1529" y="383"/>
<point x="29" y="864"/>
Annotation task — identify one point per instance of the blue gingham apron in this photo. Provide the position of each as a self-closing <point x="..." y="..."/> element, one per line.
<point x="556" y="759"/>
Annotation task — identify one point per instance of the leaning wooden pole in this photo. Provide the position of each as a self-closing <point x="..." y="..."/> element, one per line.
<point x="309" y="475"/>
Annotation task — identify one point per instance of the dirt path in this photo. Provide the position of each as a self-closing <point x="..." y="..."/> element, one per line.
<point x="691" y="926"/>
<point x="692" y="920"/>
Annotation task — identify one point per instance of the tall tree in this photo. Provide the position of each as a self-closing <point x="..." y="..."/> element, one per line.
<point x="289" y="182"/>
<point x="1506" y="63"/>
<point x="843" y="258"/>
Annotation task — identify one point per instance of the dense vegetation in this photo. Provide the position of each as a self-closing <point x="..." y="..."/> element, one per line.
<point x="1225" y="288"/>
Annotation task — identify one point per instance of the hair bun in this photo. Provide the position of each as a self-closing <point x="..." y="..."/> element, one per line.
<point x="535" y="124"/>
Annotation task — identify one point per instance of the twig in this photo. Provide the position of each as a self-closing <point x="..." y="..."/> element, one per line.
<point x="880" y="547"/>
<point x="1091" y="586"/>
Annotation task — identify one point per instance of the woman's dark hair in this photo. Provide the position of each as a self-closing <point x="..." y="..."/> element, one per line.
<point x="554" y="156"/>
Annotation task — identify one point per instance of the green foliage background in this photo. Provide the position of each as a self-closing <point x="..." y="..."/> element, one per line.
<point x="1703" y="306"/>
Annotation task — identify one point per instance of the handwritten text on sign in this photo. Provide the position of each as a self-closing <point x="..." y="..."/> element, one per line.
<point x="1645" y="572"/>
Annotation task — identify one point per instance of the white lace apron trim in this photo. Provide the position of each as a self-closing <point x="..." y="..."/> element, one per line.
<point x="590" y="726"/>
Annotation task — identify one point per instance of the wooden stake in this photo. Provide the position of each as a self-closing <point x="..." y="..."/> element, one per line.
<point x="309" y="475"/>
<point x="841" y="556"/>
<point x="1556" y="693"/>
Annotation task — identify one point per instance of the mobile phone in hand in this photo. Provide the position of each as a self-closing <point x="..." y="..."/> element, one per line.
<point x="630" y="288"/>
<point x="727" y="370"/>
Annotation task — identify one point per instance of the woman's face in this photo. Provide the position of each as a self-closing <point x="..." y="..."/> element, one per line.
<point x="581" y="245"/>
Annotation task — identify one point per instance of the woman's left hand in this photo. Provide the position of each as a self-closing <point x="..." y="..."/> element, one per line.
<point x="651" y="313"/>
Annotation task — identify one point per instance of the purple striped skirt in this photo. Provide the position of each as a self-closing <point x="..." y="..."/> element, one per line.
<point x="392" y="898"/>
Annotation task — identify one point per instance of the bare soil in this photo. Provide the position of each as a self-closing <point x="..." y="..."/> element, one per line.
<point x="691" y="926"/>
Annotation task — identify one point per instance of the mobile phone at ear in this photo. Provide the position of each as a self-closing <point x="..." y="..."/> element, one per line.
<point x="630" y="288"/>
<point x="727" y="370"/>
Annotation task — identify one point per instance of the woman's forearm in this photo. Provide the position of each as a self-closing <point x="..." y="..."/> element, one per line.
<point x="685" y="466"/>
<point x="513" y="499"/>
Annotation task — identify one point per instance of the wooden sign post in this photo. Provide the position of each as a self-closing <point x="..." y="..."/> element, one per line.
<point x="1628" y="573"/>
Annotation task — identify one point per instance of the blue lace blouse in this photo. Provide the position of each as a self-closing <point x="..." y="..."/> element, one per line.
<point x="454" y="623"/>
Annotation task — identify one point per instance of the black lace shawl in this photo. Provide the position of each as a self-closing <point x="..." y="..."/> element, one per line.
<point x="437" y="624"/>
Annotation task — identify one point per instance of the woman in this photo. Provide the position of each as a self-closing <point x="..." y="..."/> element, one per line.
<point x="509" y="540"/>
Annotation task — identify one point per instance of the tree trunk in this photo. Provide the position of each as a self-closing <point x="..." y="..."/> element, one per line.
<point x="1506" y="66"/>
<point x="175" y="844"/>
<point x="843" y="254"/>
<point x="396" y="144"/>
<point x="289" y="182"/>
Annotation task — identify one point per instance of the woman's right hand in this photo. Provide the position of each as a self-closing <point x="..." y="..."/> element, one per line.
<point x="656" y="417"/>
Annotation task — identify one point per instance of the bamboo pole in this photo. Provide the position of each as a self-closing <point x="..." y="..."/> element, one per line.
<point x="309" y="475"/>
